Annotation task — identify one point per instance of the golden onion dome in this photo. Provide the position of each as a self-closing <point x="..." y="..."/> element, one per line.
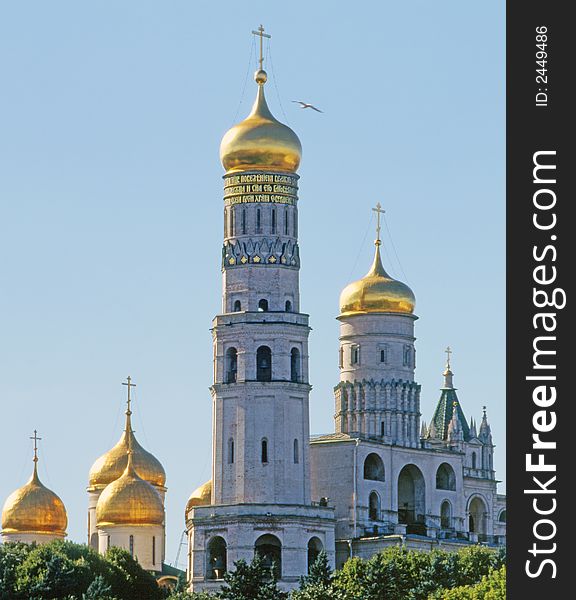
<point x="111" y="465"/>
<point x="201" y="496"/>
<point x="260" y="142"/>
<point x="376" y="292"/>
<point x="34" y="508"/>
<point x="129" y="501"/>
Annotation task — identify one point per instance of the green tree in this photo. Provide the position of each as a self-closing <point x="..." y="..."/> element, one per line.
<point x="253" y="581"/>
<point x="491" y="587"/>
<point x="317" y="585"/>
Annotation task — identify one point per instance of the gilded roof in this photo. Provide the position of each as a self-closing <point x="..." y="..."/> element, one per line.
<point x="34" y="508"/>
<point x="376" y="292"/>
<point x="201" y="496"/>
<point x="260" y="142"/>
<point x="130" y="501"/>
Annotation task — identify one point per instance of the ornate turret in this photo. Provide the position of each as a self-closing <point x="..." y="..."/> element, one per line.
<point x="33" y="513"/>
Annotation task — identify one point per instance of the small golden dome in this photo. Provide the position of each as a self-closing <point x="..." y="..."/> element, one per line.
<point x="130" y="501"/>
<point x="376" y="292"/>
<point x="34" y="508"/>
<point x="110" y="466"/>
<point x="202" y="496"/>
<point x="260" y="142"/>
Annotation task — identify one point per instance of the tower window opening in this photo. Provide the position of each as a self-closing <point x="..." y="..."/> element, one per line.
<point x="474" y="460"/>
<point x="237" y="306"/>
<point x="108" y="543"/>
<point x="231" y="222"/>
<point x="341" y="358"/>
<point x="231" y="365"/>
<point x="407" y="356"/>
<point x="286" y="222"/>
<point x="296" y="453"/>
<point x="354" y="354"/>
<point x="374" y="467"/>
<point x="217" y="559"/>
<point x="132" y="546"/>
<point x="225" y="222"/>
<point x="264" y="451"/>
<point x="243" y="221"/>
<point x="384" y="354"/>
<point x="258" y="221"/>
<point x="382" y="429"/>
<point x="264" y="364"/>
<point x="153" y="549"/>
<point x="288" y="306"/>
<point x="445" y="515"/>
<point x="231" y="451"/>
<point x="273" y="220"/>
<point x="263" y="305"/>
<point x="295" y="226"/>
<point x="295" y="365"/>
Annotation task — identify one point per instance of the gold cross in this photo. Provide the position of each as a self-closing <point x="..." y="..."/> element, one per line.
<point x="378" y="210"/>
<point x="448" y="353"/>
<point x="260" y="33"/>
<point x="130" y="385"/>
<point x="36" y="440"/>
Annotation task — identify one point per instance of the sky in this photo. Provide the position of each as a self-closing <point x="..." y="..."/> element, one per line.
<point x="111" y="115"/>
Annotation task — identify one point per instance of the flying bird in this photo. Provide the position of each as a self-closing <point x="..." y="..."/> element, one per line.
<point x="306" y="105"/>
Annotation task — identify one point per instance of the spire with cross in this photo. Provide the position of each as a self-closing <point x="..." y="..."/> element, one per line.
<point x="36" y="440"/>
<point x="448" y="375"/>
<point x="129" y="385"/>
<point x="448" y="353"/>
<point x="379" y="211"/>
<point x="260" y="33"/>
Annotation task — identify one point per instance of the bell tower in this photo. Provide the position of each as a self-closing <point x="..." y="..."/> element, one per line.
<point x="260" y="394"/>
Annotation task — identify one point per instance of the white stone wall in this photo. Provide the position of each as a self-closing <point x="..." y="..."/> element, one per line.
<point x="29" y="538"/>
<point x="143" y="536"/>
<point x="241" y="525"/>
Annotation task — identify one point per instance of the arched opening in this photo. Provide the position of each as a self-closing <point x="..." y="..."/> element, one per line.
<point x="477" y="516"/>
<point x="373" y="468"/>
<point x="216" y="559"/>
<point x="231" y="451"/>
<point x="502" y="516"/>
<point x="314" y="548"/>
<point x="237" y="306"/>
<point x="473" y="460"/>
<point x="296" y="453"/>
<point x="445" y="478"/>
<point x="412" y="499"/>
<point x="264" y="451"/>
<point x="288" y="306"/>
<point x="264" y="364"/>
<point x="231" y="365"/>
<point x="445" y="515"/>
<point x="263" y="305"/>
<point x="269" y="548"/>
<point x="295" y="365"/>
<point x="374" y="507"/>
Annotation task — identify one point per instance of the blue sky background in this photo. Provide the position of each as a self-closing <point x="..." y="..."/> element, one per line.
<point x="111" y="115"/>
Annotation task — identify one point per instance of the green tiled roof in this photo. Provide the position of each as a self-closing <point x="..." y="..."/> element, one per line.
<point x="443" y="414"/>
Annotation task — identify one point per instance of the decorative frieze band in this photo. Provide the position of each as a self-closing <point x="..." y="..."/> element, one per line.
<point x="260" y="251"/>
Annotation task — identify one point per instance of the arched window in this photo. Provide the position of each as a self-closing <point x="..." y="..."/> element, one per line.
<point x="314" y="548"/>
<point x="231" y="365"/>
<point x="445" y="515"/>
<point x="445" y="478"/>
<point x="374" y="507"/>
<point x="153" y="549"/>
<point x="354" y="354"/>
<point x="273" y="220"/>
<point x="288" y="306"/>
<point x="216" y="559"/>
<point x="263" y="305"/>
<point x="296" y="453"/>
<point x="502" y="517"/>
<point x="477" y="519"/>
<point x="295" y="365"/>
<point x="382" y="429"/>
<point x="373" y="468"/>
<point x="94" y="541"/>
<point x="264" y="451"/>
<point x="269" y="548"/>
<point x="132" y="546"/>
<point x="258" y="222"/>
<point x="264" y="364"/>
<point x="473" y="460"/>
<point x="230" y="451"/>
<point x="237" y="306"/>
